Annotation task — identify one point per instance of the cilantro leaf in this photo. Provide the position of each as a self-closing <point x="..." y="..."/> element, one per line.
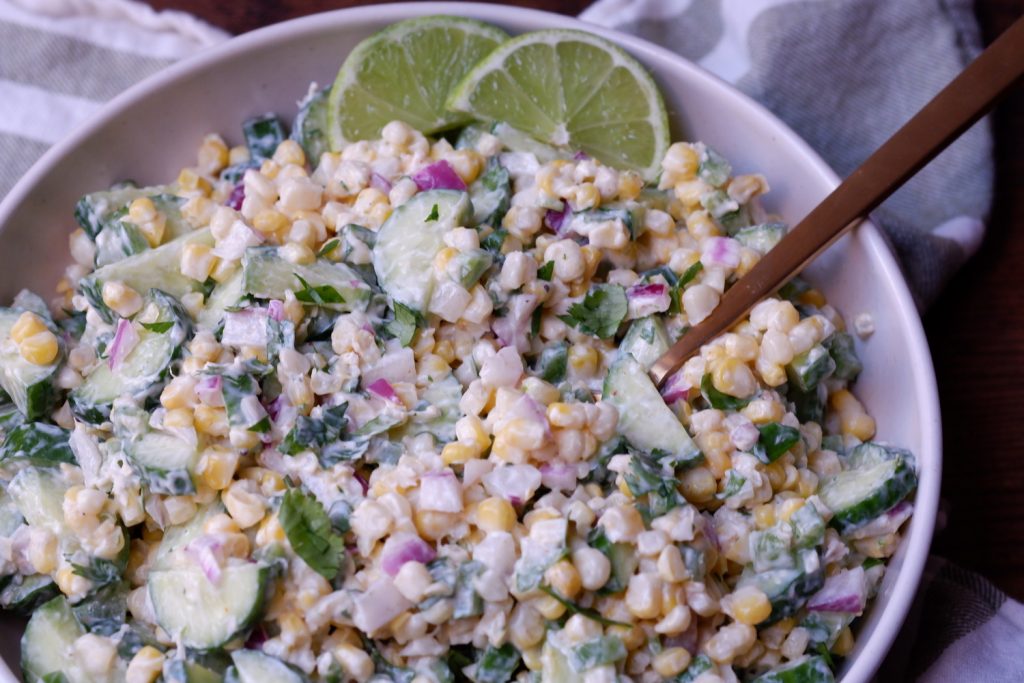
<point x="403" y="327"/>
<point x="601" y="311"/>
<point x="495" y="241"/>
<point x="261" y="427"/>
<point x="775" y="440"/>
<point x="328" y="246"/>
<point x="675" y="291"/>
<point x="546" y="271"/>
<point x="434" y="214"/>
<point x="310" y="533"/>
<point x="159" y="327"/>
<point x="318" y="296"/>
<point x="311" y="433"/>
<point x="497" y="664"/>
<point x="734" y="483"/>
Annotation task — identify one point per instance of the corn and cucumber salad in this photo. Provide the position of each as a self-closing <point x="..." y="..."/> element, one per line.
<point x="380" y="411"/>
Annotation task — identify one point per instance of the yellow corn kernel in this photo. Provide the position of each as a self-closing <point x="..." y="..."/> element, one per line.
<point x="27" y="325"/>
<point x="197" y="261"/>
<point x="583" y="359"/>
<point x="630" y="185"/>
<point x="458" y="453"/>
<point x="270" y="531"/>
<point x="633" y="638"/>
<point x="180" y="418"/>
<point x="179" y="393"/>
<point x="522" y="433"/>
<point x="854" y="420"/>
<point x="190" y="181"/>
<point x="269" y="481"/>
<point x="748" y="259"/>
<point x="504" y="451"/>
<point x="764" y="516"/>
<point x="290" y="152"/>
<point x="217" y="467"/>
<point x="681" y="161"/>
<point x="42" y="551"/>
<point x="584" y="196"/>
<point x="548" y="607"/>
<point x="296" y="253"/>
<point x="433" y="366"/>
<point x="221" y="523"/>
<point x="776" y="473"/>
<point x="121" y="298"/>
<point x="698" y="484"/>
<point x="789" y="506"/>
<point x="235" y="545"/>
<point x="70" y="583"/>
<point x="223" y="270"/>
<point x="533" y="658"/>
<point x="591" y="259"/>
<point x="142" y="210"/>
<point x="700" y="225"/>
<point x="270" y="222"/>
<point x="734" y="377"/>
<point x="467" y="163"/>
<point x="269" y="169"/>
<point x="564" y="578"/>
<point x="211" y="421"/>
<point x="844" y="643"/>
<point x="146" y="665"/>
<point x="671" y="662"/>
<point x="213" y="154"/>
<point x="808" y="484"/>
<point x="750" y="606"/>
<point x="495" y="514"/>
<point x="446" y="350"/>
<point x="812" y="297"/>
<point x="443" y="258"/>
<point x="762" y="411"/>
<point x="39" y="349"/>
<point x="623" y="487"/>
<point x="433" y="525"/>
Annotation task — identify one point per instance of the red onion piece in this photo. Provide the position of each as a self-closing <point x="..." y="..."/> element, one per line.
<point x="580" y="156"/>
<point x="721" y="251"/>
<point x="441" y="492"/>
<point x="438" y="176"/>
<point x="125" y="339"/>
<point x="558" y="476"/>
<point x="647" y="299"/>
<point x="208" y="391"/>
<point x="675" y="388"/>
<point x="514" y="483"/>
<point x="402" y="548"/>
<point x="383" y="388"/>
<point x="275" y="309"/>
<point x="511" y="329"/>
<point x="379" y="182"/>
<point x="846" y="591"/>
<point x="555" y="220"/>
<point x="236" y="197"/>
<point x="204" y="552"/>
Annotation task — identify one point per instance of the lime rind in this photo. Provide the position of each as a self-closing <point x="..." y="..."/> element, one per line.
<point x="405" y="72"/>
<point x="570" y="87"/>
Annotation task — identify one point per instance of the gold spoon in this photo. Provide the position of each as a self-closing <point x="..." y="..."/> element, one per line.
<point x="959" y="105"/>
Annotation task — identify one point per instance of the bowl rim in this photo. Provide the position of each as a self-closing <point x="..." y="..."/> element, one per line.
<point x="919" y="536"/>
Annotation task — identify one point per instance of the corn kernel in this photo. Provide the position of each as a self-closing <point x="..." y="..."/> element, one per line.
<point x="433" y="525"/>
<point x="300" y="254"/>
<point x="698" y="484"/>
<point x="197" y="261"/>
<point x="217" y="467"/>
<point x="190" y="181"/>
<point x="749" y="606"/>
<point x="290" y="152"/>
<point x="269" y="169"/>
<point x="211" y="421"/>
<point x="39" y="349"/>
<point x="270" y="531"/>
<point x="564" y="578"/>
<point x="457" y="453"/>
<point x="178" y="418"/>
<point x="548" y="607"/>
<point x="495" y="514"/>
<point x="808" y="483"/>
<point x="854" y="421"/>
<point x="146" y="666"/>
<point x="764" y="516"/>
<point x="583" y="359"/>
<point x="671" y="662"/>
<point x="788" y="507"/>
<point x="213" y="154"/>
<point x="223" y="270"/>
<point x="734" y="377"/>
<point x="443" y="258"/>
<point x="270" y="222"/>
<point x="27" y="325"/>
<point x="121" y="298"/>
<point x="844" y="644"/>
<point x="566" y="415"/>
<point x="179" y="393"/>
<point x="630" y="185"/>
<point x="643" y="596"/>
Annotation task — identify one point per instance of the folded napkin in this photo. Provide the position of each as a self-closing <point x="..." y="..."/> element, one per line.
<point x="843" y="73"/>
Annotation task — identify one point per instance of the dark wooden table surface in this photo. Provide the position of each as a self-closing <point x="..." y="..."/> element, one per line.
<point x="976" y="329"/>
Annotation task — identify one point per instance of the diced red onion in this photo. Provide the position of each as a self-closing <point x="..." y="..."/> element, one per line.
<point x="742" y="432"/>
<point x="555" y="220"/>
<point x="675" y="388"/>
<point x="558" y="476"/>
<point x="527" y="408"/>
<point x="239" y="238"/>
<point x="438" y="176"/>
<point x="275" y="309"/>
<point x="474" y="470"/>
<point x="511" y="329"/>
<point x="397" y="365"/>
<point x="125" y="339"/>
<point x="383" y="388"/>
<point x="647" y="299"/>
<point x="208" y="391"/>
<point x="846" y="591"/>
<point x="236" y="197"/>
<point x="247" y="327"/>
<point x="721" y="251"/>
<point x="402" y="548"/>
<point x="515" y="483"/>
<point x="379" y="182"/>
<point x="580" y="156"/>
<point x="257" y="638"/>
<point x="441" y="492"/>
<point x="204" y="552"/>
<point x="362" y="482"/>
<point x="886" y="523"/>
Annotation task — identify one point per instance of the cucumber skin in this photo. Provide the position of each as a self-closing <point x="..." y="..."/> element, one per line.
<point x="14" y="599"/>
<point x="880" y="501"/>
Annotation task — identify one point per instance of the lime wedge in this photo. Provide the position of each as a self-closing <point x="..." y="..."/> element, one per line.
<point x="406" y="72"/>
<point x="572" y="88"/>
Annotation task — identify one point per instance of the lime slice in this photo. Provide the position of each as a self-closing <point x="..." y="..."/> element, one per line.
<point x="406" y="73"/>
<point x="571" y="88"/>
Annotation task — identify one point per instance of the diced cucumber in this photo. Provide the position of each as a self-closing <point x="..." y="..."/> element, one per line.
<point x="699" y="665"/>
<point x="206" y="615"/>
<point x="142" y="372"/>
<point x="263" y="134"/>
<point x="467" y="267"/>
<point x="186" y="671"/>
<point x="803" y="670"/>
<point x="809" y="368"/>
<point x="871" y="453"/>
<point x="788" y="588"/>
<point x="117" y="241"/>
<point x="267" y="275"/>
<point x="170" y="206"/>
<point x="46" y="646"/>
<point x="552" y="362"/>
<point x="761" y="238"/>
<point x="631" y="214"/>
<point x="596" y="652"/>
<point x="30" y="386"/>
<point x="407" y="243"/>
<point x="516" y="140"/>
<point x="825" y="627"/>
<point x="158" y="268"/>
<point x="872" y="487"/>
<point x="252" y="666"/>
<point x="310" y="127"/>
<point x="39" y="496"/>
<point x="224" y="296"/>
<point x="25" y="593"/>
<point x="623" y="559"/>
<point x="38" y="444"/>
<point x="808" y="527"/>
<point x="808" y="406"/>
<point x="466" y="601"/>
<point x="555" y="666"/>
<point x="841" y="347"/>
<point x="93" y="211"/>
<point x="497" y="664"/>
<point x="10" y="517"/>
<point x="437" y="412"/>
<point x="165" y="462"/>
<point x="491" y="194"/>
<point x="646" y="340"/>
<point x="168" y="554"/>
<point x="644" y="419"/>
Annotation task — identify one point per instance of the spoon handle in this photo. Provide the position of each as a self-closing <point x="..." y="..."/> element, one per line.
<point x="959" y="105"/>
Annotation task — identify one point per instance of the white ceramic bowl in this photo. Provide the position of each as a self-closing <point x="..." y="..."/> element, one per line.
<point x="151" y="131"/>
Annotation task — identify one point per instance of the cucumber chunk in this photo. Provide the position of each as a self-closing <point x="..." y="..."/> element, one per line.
<point x="46" y="646"/>
<point x="263" y="134"/>
<point x="761" y="238"/>
<point x="117" y="241"/>
<point x="437" y="412"/>
<point x="168" y="554"/>
<point x="30" y="386"/>
<point x="39" y="496"/>
<point x="158" y="268"/>
<point x="552" y="363"/>
<point x="165" y="462"/>
<point x="266" y="275"/>
<point x="644" y="419"/>
<point x="185" y="671"/>
<point x="878" y="480"/>
<point x="206" y="615"/>
<point x="38" y="444"/>
<point x="788" y="588"/>
<point x="491" y="194"/>
<point x="94" y="211"/>
<point x="516" y="140"/>
<point x="841" y="347"/>
<point x="807" y="370"/>
<point x="10" y="516"/>
<point x="803" y="670"/>
<point x="251" y="666"/>
<point x="646" y="340"/>
<point x="25" y="593"/>
<point x="310" y="127"/>
<point x="407" y="243"/>
<point x="224" y="296"/>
